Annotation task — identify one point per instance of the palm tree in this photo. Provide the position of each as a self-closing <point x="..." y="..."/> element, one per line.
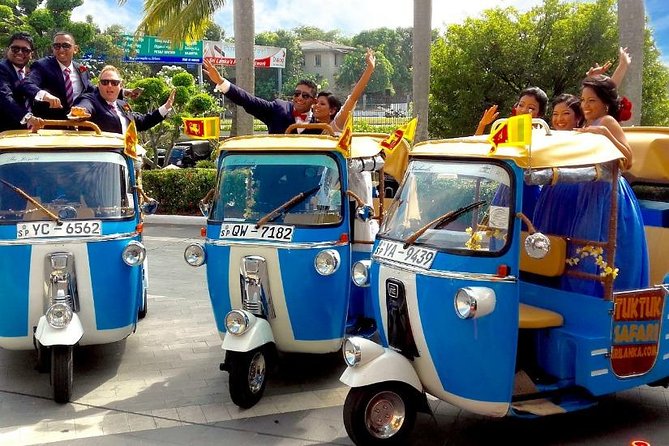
<point x="631" y="30"/>
<point x="422" y="32"/>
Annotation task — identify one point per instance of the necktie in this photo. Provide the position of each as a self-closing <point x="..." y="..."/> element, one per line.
<point x="69" y="92"/>
<point x="21" y="74"/>
<point x="300" y="116"/>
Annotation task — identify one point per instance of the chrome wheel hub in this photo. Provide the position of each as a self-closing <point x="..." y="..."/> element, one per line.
<point x="256" y="372"/>
<point x="385" y="414"/>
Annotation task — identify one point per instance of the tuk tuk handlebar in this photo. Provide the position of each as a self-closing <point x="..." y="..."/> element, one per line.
<point x="72" y="123"/>
<point x="327" y="130"/>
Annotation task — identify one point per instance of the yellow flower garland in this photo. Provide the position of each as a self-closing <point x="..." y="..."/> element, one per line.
<point x="596" y="253"/>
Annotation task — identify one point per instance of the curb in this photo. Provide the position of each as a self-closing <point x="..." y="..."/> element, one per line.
<point x="189" y="220"/>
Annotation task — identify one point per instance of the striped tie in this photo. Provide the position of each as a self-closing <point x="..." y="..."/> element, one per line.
<point x="22" y="74"/>
<point x="69" y="92"/>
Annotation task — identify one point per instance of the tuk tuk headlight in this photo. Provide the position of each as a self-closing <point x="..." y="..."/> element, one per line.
<point x="236" y="322"/>
<point x="327" y="262"/>
<point x="194" y="255"/>
<point x="59" y="315"/>
<point x="352" y="353"/>
<point x="360" y="273"/>
<point x="474" y="302"/>
<point x="133" y="254"/>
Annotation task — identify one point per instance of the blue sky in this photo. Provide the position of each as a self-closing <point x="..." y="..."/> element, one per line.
<point x="351" y="16"/>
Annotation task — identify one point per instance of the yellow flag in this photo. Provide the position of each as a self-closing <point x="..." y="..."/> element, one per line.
<point x="131" y="141"/>
<point x="202" y="128"/>
<point x="515" y="131"/>
<point x="406" y="131"/>
<point x="344" y="143"/>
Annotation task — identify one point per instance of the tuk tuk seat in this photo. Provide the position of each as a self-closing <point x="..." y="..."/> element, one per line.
<point x="534" y="317"/>
<point x="553" y="265"/>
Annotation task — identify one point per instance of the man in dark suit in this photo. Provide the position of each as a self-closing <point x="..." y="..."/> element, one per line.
<point x="56" y="81"/>
<point x="277" y="114"/>
<point x="14" y="111"/>
<point x="114" y="115"/>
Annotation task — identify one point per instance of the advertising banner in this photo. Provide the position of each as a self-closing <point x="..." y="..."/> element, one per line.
<point x="222" y="53"/>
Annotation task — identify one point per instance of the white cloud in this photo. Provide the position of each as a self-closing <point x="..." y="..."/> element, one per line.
<point x="108" y="12"/>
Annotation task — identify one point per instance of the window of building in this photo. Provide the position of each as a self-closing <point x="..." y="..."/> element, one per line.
<point x="317" y="60"/>
<point x="337" y="61"/>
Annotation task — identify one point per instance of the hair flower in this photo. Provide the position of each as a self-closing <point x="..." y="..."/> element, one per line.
<point x="625" y="112"/>
<point x="82" y="68"/>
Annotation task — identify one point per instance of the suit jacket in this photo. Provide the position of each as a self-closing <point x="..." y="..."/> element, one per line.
<point x="276" y="114"/>
<point x="45" y="74"/>
<point x="108" y="120"/>
<point x="12" y="100"/>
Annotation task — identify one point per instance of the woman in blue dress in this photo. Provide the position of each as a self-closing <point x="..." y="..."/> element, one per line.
<point x="591" y="202"/>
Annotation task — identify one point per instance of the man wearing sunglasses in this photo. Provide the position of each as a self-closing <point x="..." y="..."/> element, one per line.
<point x="277" y="114"/>
<point x="56" y="81"/>
<point x="114" y="115"/>
<point x="14" y="111"/>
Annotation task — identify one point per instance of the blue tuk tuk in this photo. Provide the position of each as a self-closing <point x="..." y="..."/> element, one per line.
<point x="290" y="214"/>
<point x="71" y="256"/>
<point x="469" y="297"/>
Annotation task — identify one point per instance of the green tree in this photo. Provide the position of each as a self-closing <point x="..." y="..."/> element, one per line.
<point x="313" y="33"/>
<point x="267" y="85"/>
<point x="490" y="59"/>
<point x="353" y="66"/>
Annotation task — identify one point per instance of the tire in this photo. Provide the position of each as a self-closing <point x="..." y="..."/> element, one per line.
<point x="380" y="414"/>
<point x="43" y="358"/>
<point x="248" y="376"/>
<point x="62" y="372"/>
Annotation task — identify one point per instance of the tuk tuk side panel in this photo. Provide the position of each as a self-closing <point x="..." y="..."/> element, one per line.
<point x="218" y="265"/>
<point x="14" y="298"/>
<point x="317" y="304"/>
<point x="360" y="302"/>
<point x="116" y="286"/>
<point x="578" y="351"/>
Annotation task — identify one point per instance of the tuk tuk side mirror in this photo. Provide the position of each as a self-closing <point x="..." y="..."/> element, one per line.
<point x="537" y="245"/>
<point x="364" y="212"/>
<point x="150" y="207"/>
<point x="204" y="207"/>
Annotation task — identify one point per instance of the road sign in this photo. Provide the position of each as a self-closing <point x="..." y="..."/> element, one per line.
<point x="150" y="49"/>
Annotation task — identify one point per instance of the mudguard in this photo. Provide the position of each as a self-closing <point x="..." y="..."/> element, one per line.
<point x="258" y="334"/>
<point x="49" y="336"/>
<point x="379" y="365"/>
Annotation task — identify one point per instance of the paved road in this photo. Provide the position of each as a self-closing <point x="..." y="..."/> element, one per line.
<point x="162" y="386"/>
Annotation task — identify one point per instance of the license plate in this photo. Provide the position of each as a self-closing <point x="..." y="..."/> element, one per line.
<point x="69" y="228"/>
<point x="249" y="231"/>
<point x="412" y="255"/>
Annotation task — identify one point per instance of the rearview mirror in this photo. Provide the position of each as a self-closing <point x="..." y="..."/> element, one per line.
<point x="150" y="207"/>
<point x="537" y="245"/>
<point x="204" y="207"/>
<point x="364" y="212"/>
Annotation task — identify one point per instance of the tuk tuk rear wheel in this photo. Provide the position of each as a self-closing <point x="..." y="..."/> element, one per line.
<point x="62" y="372"/>
<point x="380" y="414"/>
<point x="248" y="376"/>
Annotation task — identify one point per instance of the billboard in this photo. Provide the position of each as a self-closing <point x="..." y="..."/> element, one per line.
<point x="223" y="53"/>
<point x="150" y="49"/>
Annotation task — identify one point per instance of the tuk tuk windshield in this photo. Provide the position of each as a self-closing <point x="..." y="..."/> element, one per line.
<point x="72" y="185"/>
<point x="433" y="189"/>
<point x="253" y="185"/>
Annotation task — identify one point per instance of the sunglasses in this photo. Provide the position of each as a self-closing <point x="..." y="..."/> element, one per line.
<point x="64" y="46"/>
<point x="297" y="93"/>
<point x="20" y="49"/>
<point x="114" y="82"/>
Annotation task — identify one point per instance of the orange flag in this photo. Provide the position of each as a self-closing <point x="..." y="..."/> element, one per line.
<point x="344" y="143"/>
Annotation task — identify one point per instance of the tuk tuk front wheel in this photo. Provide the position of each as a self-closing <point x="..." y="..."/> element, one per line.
<point x="141" y="314"/>
<point x="248" y="376"/>
<point x="380" y="414"/>
<point x="62" y="372"/>
<point x="43" y="358"/>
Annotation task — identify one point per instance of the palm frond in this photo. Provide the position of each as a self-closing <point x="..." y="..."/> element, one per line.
<point x="177" y="20"/>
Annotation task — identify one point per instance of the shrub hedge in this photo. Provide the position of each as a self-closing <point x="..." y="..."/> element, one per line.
<point x="178" y="190"/>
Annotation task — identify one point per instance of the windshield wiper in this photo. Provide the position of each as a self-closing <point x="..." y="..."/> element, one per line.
<point x="297" y="199"/>
<point x="441" y="221"/>
<point x="27" y="197"/>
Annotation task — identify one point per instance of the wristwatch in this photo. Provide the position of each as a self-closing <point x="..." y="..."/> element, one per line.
<point x="26" y="118"/>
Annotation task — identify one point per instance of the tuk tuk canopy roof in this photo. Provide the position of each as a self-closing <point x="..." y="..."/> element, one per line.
<point x="559" y="149"/>
<point x="650" y="146"/>
<point x="362" y="145"/>
<point x="60" y="139"/>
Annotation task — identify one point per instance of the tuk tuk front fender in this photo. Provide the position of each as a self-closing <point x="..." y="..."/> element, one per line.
<point x="49" y="336"/>
<point x="258" y="334"/>
<point x="387" y="366"/>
